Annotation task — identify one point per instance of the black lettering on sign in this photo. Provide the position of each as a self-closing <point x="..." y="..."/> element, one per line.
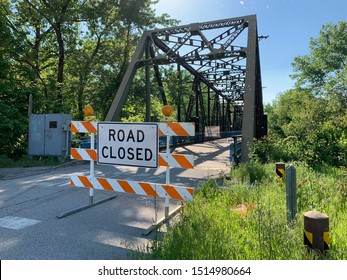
<point x="139" y="154"/>
<point x="111" y="153"/>
<point x="103" y="152"/>
<point x="128" y="144"/>
<point x="140" y="136"/>
<point x="111" y="135"/>
<point x="131" y="136"/>
<point x="121" y="135"/>
<point x="130" y="154"/>
<point x="148" y="154"/>
<point x="121" y="153"/>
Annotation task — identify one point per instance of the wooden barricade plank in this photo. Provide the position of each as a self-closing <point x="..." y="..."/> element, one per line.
<point x="176" y="129"/>
<point x="172" y="160"/>
<point x="83" y="127"/>
<point x="171" y="129"/>
<point x="133" y="187"/>
<point x="176" y="160"/>
<point x="83" y="154"/>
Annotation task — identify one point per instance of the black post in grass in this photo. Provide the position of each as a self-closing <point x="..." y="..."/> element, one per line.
<point x="316" y="231"/>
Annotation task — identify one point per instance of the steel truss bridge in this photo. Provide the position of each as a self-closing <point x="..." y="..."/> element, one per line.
<point x="223" y="59"/>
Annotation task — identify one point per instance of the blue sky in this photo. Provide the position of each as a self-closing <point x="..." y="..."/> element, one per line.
<point x="289" y="23"/>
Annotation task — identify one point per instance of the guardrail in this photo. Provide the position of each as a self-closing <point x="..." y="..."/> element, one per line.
<point x="235" y="148"/>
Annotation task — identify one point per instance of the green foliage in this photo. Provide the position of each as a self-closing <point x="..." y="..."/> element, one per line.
<point x="68" y="54"/>
<point x="26" y="161"/>
<point x="13" y="127"/>
<point x="326" y="60"/>
<point x="242" y="221"/>
<point x="178" y="88"/>
<point x="251" y="172"/>
<point x="273" y="149"/>
<point x="304" y="128"/>
<point x="309" y="123"/>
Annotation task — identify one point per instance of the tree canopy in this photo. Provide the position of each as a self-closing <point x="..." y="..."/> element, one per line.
<point x="324" y="70"/>
<point x="67" y="54"/>
<point x="309" y="122"/>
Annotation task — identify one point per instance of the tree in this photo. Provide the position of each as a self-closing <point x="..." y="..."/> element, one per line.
<point x="67" y="41"/>
<point x="69" y="53"/>
<point x="178" y="88"/>
<point x="309" y="122"/>
<point x="47" y="31"/>
<point x="324" y="70"/>
<point x="13" y="124"/>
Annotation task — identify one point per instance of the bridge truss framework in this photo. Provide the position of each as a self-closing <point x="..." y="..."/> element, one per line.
<point x="227" y="75"/>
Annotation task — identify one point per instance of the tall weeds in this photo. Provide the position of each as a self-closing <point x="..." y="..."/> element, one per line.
<point x="246" y="218"/>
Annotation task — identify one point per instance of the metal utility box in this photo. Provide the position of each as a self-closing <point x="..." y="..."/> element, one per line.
<point x="49" y="135"/>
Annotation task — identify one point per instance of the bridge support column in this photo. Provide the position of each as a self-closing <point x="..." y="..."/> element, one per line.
<point x="253" y="91"/>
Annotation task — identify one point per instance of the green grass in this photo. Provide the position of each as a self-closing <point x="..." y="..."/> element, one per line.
<point x="26" y="161"/>
<point x="212" y="226"/>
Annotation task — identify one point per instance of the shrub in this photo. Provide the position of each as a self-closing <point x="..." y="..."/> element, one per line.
<point x="251" y="172"/>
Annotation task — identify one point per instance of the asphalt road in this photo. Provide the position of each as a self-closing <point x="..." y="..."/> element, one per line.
<point x="31" y="200"/>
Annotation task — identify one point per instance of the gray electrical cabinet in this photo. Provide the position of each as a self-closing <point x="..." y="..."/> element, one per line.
<point x="49" y="135"/>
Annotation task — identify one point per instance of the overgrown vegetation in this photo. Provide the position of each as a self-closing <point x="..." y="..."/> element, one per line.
<point x="309" y="122"/>
<point x="244" y="220"/>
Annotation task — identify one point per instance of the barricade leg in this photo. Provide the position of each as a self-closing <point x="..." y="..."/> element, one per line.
<point x="79" y="209"/>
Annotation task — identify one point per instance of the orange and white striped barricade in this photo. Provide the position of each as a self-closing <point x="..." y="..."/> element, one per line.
<point x="133" y="187"/>
<point x="85" y="154"/>
<point x="176" y="160"/>
<point x="174" y="129"/>
<point x="166" y="159"/>
<point x="85" y="127"/>
<point x="172" y="160"/>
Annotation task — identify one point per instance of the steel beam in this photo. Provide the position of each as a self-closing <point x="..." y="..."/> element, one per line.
<point x="148" y="86"/>
<point x="218" y="63"/>
<point x="251" y="90"/>
<point x="122" y="92"/>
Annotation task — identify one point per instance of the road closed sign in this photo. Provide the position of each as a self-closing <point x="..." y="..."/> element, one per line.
<point x="130" y="144"/>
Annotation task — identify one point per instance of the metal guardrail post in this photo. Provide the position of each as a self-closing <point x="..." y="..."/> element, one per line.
<point x="291" y="193"/>
<point x="234" y="149"/>
<point x="236" y="160"/>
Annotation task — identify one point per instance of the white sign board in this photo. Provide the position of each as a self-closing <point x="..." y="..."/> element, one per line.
<point x="131" y="144"/>
<point x="212" y="131"/>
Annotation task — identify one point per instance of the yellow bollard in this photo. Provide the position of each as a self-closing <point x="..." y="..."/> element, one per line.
<point x="280" y="171"/>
